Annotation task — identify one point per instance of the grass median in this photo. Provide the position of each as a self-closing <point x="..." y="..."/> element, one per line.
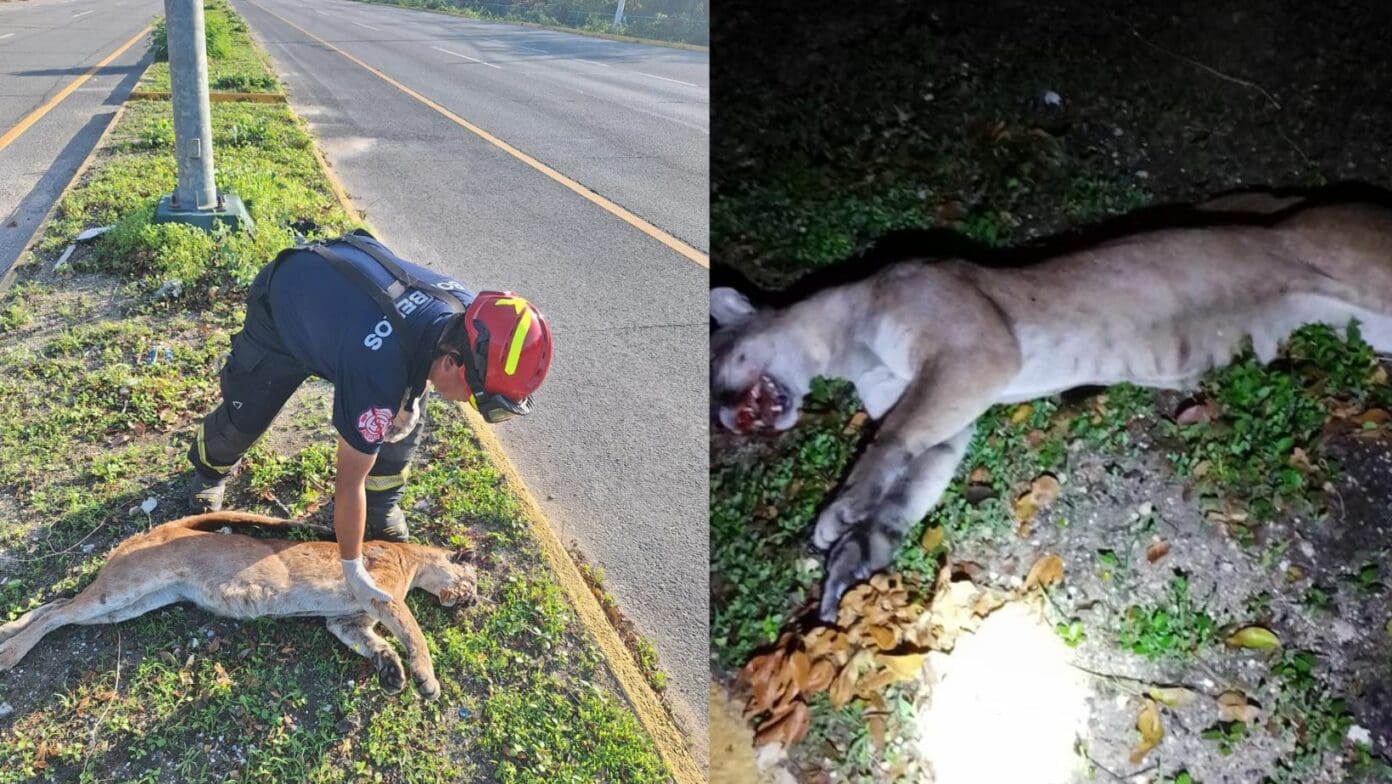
<point x="107" y="363"/>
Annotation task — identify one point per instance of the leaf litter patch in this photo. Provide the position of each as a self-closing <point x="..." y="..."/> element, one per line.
<point x="1190" y="654"/>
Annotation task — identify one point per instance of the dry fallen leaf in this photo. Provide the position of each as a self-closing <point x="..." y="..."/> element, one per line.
<point x="801" y="667"/>
<point x="884" y="637"/>
<point x="820" y="676"/>
<point x="1253" y="637"/>
<point x="876" y="722"/>
<point x="932" y="537"/>
<point x="785" y="731"/>
<point x="1021" y="413"/>
<point x="1047" y="570"/>
<point x="1046" y="490"/>
<point x="1158" y="549"/>
<point x="1148" y="722"/>
<point x="979" y="476"/>
<point x="1373" y="416"/>
<point x="905" y="667"/>
<point x="1198" y="413"/>
<point x="1171" y="696"/>
<point x="1233" y="706"/>
<point x="1025" y="510"/>
<point x="1301" y="461"/>
<point x="856" y="423"/>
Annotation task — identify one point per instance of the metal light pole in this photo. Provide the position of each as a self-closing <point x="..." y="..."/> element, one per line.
<point x="196" y="199"/>
<point x="618" y="13"/>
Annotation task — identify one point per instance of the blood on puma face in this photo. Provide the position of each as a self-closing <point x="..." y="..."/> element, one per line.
<point x="758" y="376"/>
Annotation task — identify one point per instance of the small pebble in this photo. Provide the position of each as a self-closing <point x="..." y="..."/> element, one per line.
<point x="1052" y="98"/>
<point x="5" y="709"/>
<point x="1360" y="735"/>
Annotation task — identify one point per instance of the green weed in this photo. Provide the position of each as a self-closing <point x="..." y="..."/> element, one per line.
<point x="1175" y="629"/>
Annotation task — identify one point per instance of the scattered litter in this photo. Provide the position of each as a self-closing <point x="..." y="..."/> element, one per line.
<point x="62" y="261"/>
<point x="87" y="548"/>
<point x="1356" y="734"/>
<point x="155" y="354"/>
<point x="465" y="713"/>
<point x="149" y="505"/>
<point x="6" y="709"/>
<point x="1052" y="98"/>
<point x="170" y="289"/>
<point x="91" y="234"/>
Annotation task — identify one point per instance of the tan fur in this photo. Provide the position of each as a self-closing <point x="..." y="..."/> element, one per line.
<point x="241" y="576"/>
<point x="931" y="346"/>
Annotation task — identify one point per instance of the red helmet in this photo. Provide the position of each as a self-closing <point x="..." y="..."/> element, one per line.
<point x="511" y="348"/>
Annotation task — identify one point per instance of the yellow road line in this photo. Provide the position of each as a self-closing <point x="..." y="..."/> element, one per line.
<point x="608" y="206"/>
<point x="37" y="114"/>
<point x="9" y="277"/>
<point x="647" y="706"/>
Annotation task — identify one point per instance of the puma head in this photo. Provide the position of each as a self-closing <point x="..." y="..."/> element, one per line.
<point x="758" y="366"/>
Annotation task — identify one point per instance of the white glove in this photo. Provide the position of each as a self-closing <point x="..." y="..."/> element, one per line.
<point x="360" y="582"/>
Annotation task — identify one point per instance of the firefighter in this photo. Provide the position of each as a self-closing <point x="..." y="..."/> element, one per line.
<point x="382" y="331"/>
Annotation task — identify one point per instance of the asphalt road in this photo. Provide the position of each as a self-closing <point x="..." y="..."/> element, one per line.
<point x="44" y="46"/>
<point x="616" y="450"/>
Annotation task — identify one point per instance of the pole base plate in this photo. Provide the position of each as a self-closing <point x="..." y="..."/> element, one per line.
<point x="233" y="214"/>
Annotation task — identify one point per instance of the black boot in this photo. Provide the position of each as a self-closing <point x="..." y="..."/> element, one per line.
<point x="385" y="519"/>
<point x="205" y="493"/>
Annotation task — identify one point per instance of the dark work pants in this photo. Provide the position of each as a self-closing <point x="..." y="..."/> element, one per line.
<point x="260" y="375"/>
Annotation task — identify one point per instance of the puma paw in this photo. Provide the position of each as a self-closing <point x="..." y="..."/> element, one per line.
<point x="864" y="550"/>
<point x="429" y="689"/>
<point x="390" y="674"/>
<point x="839" y="517"/>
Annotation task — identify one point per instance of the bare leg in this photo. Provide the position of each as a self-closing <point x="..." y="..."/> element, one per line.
<point x="356" y="632"/>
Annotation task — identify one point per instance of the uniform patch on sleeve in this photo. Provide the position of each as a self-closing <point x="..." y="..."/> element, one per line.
<point x="373" y="424"/>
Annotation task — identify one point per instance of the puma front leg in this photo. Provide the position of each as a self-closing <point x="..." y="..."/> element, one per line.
<point x="870" y="546"/>
<point x="908" y="466"/>
<point x="397" y="617"/>
<point x="948" y="395"/>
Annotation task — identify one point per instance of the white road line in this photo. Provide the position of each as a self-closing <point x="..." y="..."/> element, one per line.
<point x="84" y="13"/>
<point x="467" y="57"/>
<point x="6" y="35"/>
<point x="563" y="57"/>
<point x="665" y="79"/>
<point x="368" y="26"/>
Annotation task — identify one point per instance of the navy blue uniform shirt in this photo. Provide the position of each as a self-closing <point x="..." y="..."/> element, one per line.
<point x="340" y="334"/>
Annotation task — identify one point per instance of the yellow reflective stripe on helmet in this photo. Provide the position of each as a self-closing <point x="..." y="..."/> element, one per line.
<point x="379" y="483"/>
<point x="203" y="454"/>
<point x="519" y="335"/>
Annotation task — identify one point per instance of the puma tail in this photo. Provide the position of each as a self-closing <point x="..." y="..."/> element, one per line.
<point x="214" y="520"/>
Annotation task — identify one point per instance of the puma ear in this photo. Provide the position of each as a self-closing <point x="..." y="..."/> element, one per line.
<point x="729" y="307"/>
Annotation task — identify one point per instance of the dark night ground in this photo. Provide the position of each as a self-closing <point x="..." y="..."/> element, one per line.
<point x="838" y="122"/>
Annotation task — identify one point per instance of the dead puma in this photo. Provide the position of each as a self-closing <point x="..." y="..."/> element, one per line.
<point x="930" y="346"/>
<point x="245" y="577"/>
